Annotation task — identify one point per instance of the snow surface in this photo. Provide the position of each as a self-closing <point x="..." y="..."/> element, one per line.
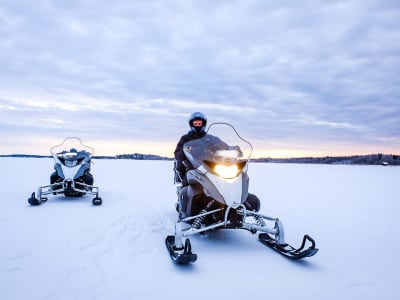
<point x="69" y="249"/>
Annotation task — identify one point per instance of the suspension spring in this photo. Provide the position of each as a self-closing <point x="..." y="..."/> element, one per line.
<point x="199" y="220"/>
<point x="259" y="220"/>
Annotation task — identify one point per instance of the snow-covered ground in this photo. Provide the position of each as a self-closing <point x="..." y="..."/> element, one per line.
<point x="69" y="249"/>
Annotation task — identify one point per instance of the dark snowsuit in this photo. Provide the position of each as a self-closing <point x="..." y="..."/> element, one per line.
<point x="181" y="164"/>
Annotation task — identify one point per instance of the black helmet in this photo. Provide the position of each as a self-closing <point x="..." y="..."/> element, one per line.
<point x="197" y="116"/>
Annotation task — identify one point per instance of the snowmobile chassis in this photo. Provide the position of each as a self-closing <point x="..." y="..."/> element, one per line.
<point x="273" y="237"/>
<point x="68" y="187"/>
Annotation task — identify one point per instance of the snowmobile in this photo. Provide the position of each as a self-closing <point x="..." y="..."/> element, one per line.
<point x="72" y="176"/>
<point x="215" y="196"/>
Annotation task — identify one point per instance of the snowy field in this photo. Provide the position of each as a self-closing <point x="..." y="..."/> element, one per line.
<point x="69" y="249"/>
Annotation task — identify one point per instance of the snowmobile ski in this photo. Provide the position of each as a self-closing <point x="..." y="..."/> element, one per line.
<point x="287" y="250"/>
<point x="182" y="255"/>
<point x="36" y="201"/>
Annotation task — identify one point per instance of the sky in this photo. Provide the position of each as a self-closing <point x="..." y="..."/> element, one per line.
<point x="295" y="78"/>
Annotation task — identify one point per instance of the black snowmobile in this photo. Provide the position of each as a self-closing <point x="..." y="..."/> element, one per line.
<point x="72" y="176"/>
<point x="216" y="196"/>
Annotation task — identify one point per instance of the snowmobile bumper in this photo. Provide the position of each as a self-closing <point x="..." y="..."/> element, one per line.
<point x="69" y="188"/>
<point x="245" y="219"/>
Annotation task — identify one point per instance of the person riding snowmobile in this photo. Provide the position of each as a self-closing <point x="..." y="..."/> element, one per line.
<point x="197" y="123"/>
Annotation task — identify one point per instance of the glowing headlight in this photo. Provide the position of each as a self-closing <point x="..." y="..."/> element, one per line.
<point x="227" y="171"/>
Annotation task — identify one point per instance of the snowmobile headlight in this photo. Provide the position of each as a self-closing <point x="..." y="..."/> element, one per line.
<point x="70" y="155"/>
<point x="227" y="171"/>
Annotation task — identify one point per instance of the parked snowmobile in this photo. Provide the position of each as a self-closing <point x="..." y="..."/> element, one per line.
<point x="72" y="176"/>
<point x="216" y="196"/>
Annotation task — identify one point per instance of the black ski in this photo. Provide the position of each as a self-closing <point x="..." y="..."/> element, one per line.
<point x="180" y="256"/>
<point x="287" y="250"/>
<point x="35" y="201"/>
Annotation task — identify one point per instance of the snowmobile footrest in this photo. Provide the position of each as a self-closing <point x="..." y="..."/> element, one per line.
<point x="288" y="250"/>
<point x="180" y="256"/>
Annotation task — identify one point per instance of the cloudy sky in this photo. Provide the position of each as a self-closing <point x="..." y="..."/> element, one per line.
<point x="294" y="77"/>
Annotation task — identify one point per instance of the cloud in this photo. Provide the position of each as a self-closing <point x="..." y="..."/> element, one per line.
<point x="309" y="73"/>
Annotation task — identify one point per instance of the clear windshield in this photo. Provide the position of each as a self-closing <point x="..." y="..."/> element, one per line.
<point x="71" y="147"/>
<point x="221" y="144"/>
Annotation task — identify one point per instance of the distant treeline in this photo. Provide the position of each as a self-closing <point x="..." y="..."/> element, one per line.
<point x="371" y="159"/>
<point x="118" y="156"/>
<point x="141" y="156"/>
<point x="25" y="155"/>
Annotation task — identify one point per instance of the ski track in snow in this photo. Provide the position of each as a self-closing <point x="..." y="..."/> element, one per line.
<point x="69" y="249"/>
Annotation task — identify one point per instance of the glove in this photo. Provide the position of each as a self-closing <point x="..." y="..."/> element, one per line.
<point x="187" y="164"/>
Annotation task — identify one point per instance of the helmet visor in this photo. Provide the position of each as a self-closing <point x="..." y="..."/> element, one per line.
<point x="197" y="123"/>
